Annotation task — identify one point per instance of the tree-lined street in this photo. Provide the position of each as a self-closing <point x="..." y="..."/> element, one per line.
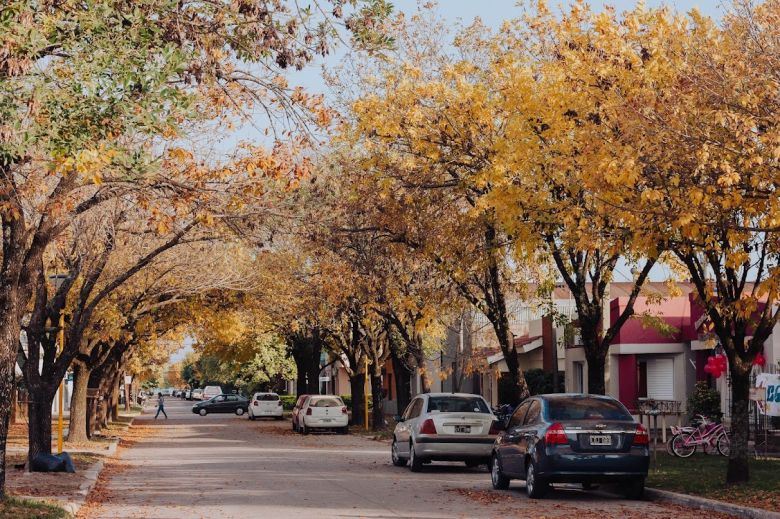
<point x="227" y="467"/>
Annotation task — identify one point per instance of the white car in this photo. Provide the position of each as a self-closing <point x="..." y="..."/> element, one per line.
<point x="211" y="392"/>
<point x="265" y="404"/>
<point x="444" y="427"/>
<point x="324" y="412"/>
<point x="197" y="394"/>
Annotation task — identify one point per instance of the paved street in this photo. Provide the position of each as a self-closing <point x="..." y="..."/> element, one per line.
<point x="223" y="466"/>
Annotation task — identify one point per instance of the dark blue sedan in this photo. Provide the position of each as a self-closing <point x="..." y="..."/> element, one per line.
<point x="571" y="438"/>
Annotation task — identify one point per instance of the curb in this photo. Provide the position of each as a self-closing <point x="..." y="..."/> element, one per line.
<point x="702" y="503"/>
<point x="90" y="480"/>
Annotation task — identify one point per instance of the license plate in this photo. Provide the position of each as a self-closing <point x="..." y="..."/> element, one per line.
<point x="601" y="440"/>
<point x="327" y="420"/>
<point x="462" y="428"/>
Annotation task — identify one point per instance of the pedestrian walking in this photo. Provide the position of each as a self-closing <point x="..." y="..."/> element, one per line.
<point x="160" y="406"/>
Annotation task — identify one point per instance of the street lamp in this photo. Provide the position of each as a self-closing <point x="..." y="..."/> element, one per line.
<point x="58" y="280"/>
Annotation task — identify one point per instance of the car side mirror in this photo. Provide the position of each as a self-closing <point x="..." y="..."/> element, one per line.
<point x="399" y="418"/>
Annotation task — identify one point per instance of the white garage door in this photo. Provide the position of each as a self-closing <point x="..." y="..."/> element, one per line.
<point x="660" y="379"/>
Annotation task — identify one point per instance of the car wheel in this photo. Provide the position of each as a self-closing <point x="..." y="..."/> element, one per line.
<point x="499" y="480"/>
<point x="634" y="489"/>
<point x="344" y="430"/>
<point x="251" y="416"/>
<point x="240" y="411"/>
<point x="398" y="461"/>
<point x="203" y="412"/>
<point x="535" y="487"/>
<point x="415" y="463"/>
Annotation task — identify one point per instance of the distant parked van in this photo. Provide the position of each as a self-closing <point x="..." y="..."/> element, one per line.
<point x="211" y="392"/>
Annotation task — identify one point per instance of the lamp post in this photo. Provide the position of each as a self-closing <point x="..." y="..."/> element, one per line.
<point x="58" y="280"/>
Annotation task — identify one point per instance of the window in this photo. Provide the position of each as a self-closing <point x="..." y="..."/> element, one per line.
<point x="415" y="408"/>
<point x="232" y="398"/>
<point x="326" y="402"/>
<point x="586" y="408"/>
<point x="219" y="399"/>
<point x="267" y="398"/>
<point x="534" y="413"/>
<point x="518" y="415"/>
<point x="457" y="404"/>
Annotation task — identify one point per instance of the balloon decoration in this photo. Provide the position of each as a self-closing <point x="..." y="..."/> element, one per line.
<point x="759" y="360"/>
<point x="716" y="365"/>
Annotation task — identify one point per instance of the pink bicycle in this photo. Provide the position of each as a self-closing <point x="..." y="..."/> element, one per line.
<point x="709" y="434"/>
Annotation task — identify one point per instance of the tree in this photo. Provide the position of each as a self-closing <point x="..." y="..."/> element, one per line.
<point x="689" y="107"/>
<point x="425" y="132"/>
<point x="66" y="120"/>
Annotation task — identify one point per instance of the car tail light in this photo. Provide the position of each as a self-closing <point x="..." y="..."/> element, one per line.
<point x="494" y="428"/>
<point x="555" y="435"/>
<point x="428" y="427"/>
<point x="640" y="435"/>
<point x="308" y="412"/>
<point x="343" y="410"/>
<point x="255" y="403"/>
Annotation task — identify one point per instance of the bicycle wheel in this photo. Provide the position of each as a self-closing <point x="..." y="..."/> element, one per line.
<point x="724" y="445"/>
<point x="681" y="446"/>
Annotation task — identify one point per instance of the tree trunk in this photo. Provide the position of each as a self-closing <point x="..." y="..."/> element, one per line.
<point x="596" y="369"/>
<point x="301" y="386"/>
<point x="358" y="390"/>
<point x="738" y="470"/>
<point x="377" y="400"/>
<point x="403" y="383"/>
<point x="39" y="422"/>
<point x="9" y="346"/>
<point x="77" y="430"/>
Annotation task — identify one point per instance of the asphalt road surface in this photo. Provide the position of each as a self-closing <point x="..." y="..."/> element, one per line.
<point x="225" y="466"/>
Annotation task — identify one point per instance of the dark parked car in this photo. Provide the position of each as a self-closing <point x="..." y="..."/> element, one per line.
<point x="222" y="404"/>
<point x="571" y="438"/>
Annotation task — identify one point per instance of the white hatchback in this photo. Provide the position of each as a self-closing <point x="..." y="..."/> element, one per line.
<point x="324" y="412"/>
<point x="265" y="404"/>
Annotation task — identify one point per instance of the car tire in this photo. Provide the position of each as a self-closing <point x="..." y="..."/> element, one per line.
<point x="633" y="489"/>
<point x="344" y="430"/>
<point x="203" y="411"/>
<point x="239" y="411"/>
<point x="396" y="458"/>
<point x="535" y="486"/>
<point x="415" y="463"/>
<point x="497" y="477"/>
<point x="251" y="416"/>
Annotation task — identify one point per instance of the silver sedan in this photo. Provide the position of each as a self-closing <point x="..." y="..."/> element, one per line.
<point x="444" y="427"/>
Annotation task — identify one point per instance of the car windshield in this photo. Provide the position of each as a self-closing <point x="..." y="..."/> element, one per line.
<point x="326" y="402"/>
<point x="457" y="404"/>
<point x="562" y="409"/>
<point x="267" y="398"/>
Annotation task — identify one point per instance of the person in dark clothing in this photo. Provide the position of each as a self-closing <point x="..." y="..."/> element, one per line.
<point x="160" y="406"/>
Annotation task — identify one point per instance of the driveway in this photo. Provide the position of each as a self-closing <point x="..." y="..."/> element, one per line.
<point x="224" y="466"/>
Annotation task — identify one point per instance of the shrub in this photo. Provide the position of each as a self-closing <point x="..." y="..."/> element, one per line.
<point x="704" y="401"/>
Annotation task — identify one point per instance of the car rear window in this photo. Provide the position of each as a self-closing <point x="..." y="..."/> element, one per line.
<point x="267" y="398"/>
<point x="457" y="404"/>
<point x="562" y="409"/>
<point x="326" y="402"/>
